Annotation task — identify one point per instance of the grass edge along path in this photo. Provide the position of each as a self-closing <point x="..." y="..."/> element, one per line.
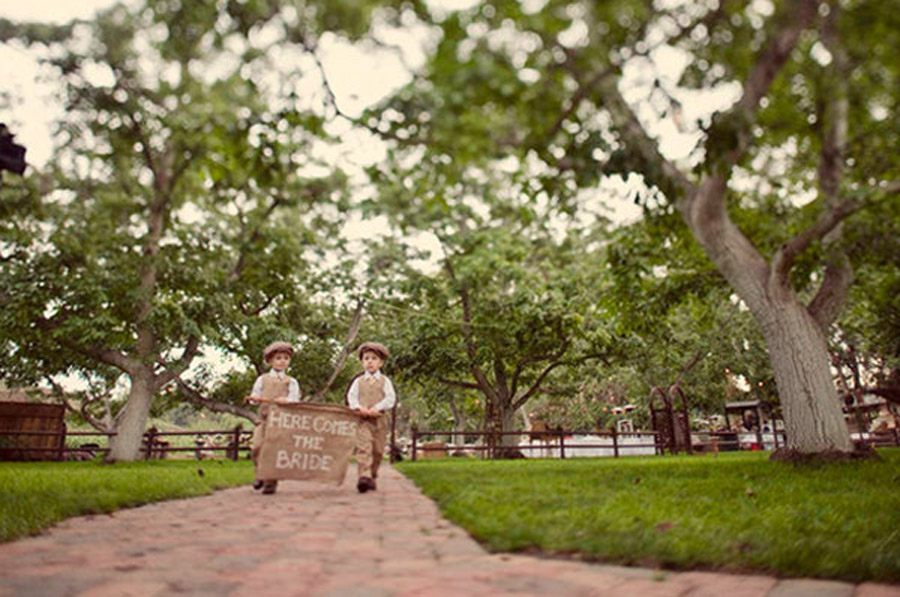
<point x="737" y="512"/>
<point x="37" y="495"/>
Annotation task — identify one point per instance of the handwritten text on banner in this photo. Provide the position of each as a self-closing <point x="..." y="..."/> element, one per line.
<point x="305" y="441"/>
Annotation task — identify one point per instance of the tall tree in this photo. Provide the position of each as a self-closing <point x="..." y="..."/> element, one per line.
<point x="506" y="308"/>
<point x="173" y="210"/>
<point x="575" y="89"/>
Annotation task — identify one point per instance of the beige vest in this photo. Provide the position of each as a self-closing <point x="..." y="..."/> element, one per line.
<point x="371" y="391"/>
<point x="273" y="388"/>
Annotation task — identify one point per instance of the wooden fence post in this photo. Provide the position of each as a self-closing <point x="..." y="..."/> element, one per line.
<point x="562" y="445"/>
<point x="394" y="455"/>
<point x="61" y="455"/>
<point x="237" y="442"/>
<point x="415" y="437"/>
<point x="150" y="438"/>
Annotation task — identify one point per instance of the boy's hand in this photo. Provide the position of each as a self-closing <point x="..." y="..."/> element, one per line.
<point x="253" y="399"/>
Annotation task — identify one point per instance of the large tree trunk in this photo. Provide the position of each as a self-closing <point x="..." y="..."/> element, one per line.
<point x="507" y="425"/>
<point x="797" y="347"/>
<point x="500" y="418"/>
<point x="793" y="332"/>
<point x="459" y="423"/>
<point x="132" y="420"/>
<point x="813" y="418"/>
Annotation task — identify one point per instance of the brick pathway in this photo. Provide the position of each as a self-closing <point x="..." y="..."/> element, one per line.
<point x="317" y="540"/>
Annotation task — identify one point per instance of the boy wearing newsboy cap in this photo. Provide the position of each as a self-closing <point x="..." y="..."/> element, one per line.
<point x="273" y="387"/>
<point x="371" y="394"/>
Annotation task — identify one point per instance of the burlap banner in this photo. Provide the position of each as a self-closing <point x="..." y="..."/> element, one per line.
<point x="307" y="442"/>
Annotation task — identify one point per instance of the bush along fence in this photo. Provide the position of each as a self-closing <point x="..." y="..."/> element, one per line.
<point x="55" y="445"/>
<point x="559" y="443"/>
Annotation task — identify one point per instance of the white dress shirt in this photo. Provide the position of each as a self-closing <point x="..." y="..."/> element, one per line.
<point x="293" y="386"/>
<point x="390" y="397"/>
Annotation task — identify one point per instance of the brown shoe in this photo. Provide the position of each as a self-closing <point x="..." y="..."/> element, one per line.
<point x="258" y="484"/>
<point x="269" y="487"/>
<point x="364" y="484"/>
<point x="372" y="485"/>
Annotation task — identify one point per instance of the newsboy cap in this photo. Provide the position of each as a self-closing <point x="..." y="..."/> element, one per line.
<point x="376" y="347"/>
<point x="279" y="346"/>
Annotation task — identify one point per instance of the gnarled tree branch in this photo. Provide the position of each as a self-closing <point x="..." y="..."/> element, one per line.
<point x="83" y="412"/>
<point x="194" y="396"/>
<point x="352" y="332"/>
<point x="785" y="256"/>
<point x="835" y="288"/>
<point x="537" y="384"/>
<point x="191" y="349"/>
<point x="468" y="337"/>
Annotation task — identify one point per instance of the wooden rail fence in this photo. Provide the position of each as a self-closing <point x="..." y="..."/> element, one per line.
<point x="491" y="445"/>
<point x="154" y="444"/>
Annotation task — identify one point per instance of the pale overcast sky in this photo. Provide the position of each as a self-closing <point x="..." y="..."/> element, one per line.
<point x="55" y="11"/>
<point x="30" y="119"/>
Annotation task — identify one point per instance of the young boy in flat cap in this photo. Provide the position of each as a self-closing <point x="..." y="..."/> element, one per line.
<point x="371" y="394"/>
<point x="274" y="387"/>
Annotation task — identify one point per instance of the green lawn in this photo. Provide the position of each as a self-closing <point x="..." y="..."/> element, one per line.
<point x="735" y="512"/>
<point x="36" y="495"/>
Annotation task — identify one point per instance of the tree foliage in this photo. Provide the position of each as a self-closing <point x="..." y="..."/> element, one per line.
<point x="175" y="215"/>
<point x="565" y="94"/>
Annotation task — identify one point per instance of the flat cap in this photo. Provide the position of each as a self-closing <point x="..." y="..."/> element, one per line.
<point x="376" y="347"/>
<point x="279" y="346"/>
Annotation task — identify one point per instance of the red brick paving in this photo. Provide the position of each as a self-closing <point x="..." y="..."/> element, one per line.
<point x="311" y="539"/>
